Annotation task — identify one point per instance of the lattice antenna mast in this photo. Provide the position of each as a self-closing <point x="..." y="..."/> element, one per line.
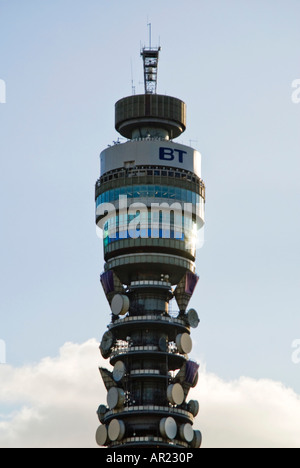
<point x="150" y="57"/>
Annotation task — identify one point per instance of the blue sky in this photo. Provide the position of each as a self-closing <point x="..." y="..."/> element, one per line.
<point x="65" y="64"/>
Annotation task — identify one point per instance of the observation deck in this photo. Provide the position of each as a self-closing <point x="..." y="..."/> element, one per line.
<point x="157" y="111"/>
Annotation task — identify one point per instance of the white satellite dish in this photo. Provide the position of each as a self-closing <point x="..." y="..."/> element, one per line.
<point x="175" y="394"/>
<point x="115" y="398"/>
<point x="120" y="304"/>
<point x="119" y="371"/>
<point x="184" y="343"/>
<point x="116" y="430"/>
<point x="102" y="436"/>
<point x="186" y="432"/>
<point x="168" y="428"/>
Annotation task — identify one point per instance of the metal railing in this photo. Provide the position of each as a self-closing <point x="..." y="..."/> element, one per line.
<point x="150" y="408"/>
<point x="143" y="318"/>
<point x="124" y="347"/>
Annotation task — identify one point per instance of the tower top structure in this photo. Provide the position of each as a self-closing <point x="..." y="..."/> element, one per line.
<point x="150" y="114"/>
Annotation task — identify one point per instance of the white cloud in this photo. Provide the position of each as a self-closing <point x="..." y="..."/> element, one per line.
<point x="55" y="403"/>
<point x="247" y="413"/>
<point x="58" y="399"/>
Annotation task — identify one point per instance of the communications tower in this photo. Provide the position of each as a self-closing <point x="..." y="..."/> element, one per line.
<point x="149" y="203"/>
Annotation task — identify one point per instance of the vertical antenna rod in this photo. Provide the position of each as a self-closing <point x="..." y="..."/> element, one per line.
<point x="132" y="79"/>
<point x="150" y="33"/>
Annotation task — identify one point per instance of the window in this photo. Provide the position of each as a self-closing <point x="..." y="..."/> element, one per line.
<point x="158" y="191"/>
<point x="165" y="192"/>
<point x="116" y="194"/>
<point x="151" y="191"/>
<point x="136" y="191"/>
<point x="144" y="191"/>
<point x="172" y="192"/>
<point x="129" y="164"/>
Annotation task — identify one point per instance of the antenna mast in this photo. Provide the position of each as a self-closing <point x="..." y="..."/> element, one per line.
<point x="150" y="57"/>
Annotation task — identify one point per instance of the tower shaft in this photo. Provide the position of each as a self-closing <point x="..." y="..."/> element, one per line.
<point x="149" y="203"/>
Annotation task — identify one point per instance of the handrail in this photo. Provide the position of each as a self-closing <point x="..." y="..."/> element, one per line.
<point x="128" y="440"/>
<point x="148" y="408"/>
<point x="155" y="318"/>
<point x="121" y="349"/>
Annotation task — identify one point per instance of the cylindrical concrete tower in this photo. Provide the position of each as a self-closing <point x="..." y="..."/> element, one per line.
<point x="149" y="203"/>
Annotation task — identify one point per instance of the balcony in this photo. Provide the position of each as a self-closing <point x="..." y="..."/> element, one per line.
<point x="123" y="348"/>
<point x="151" y="318"/>
<point x="160" y="411"/>
<point x="149" y="442"/>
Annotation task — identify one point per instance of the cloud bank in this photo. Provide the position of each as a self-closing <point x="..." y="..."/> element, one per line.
<point x="53" y="404"/>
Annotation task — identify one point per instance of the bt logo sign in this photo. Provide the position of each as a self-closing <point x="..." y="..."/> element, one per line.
<point x="169" y="154"/>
